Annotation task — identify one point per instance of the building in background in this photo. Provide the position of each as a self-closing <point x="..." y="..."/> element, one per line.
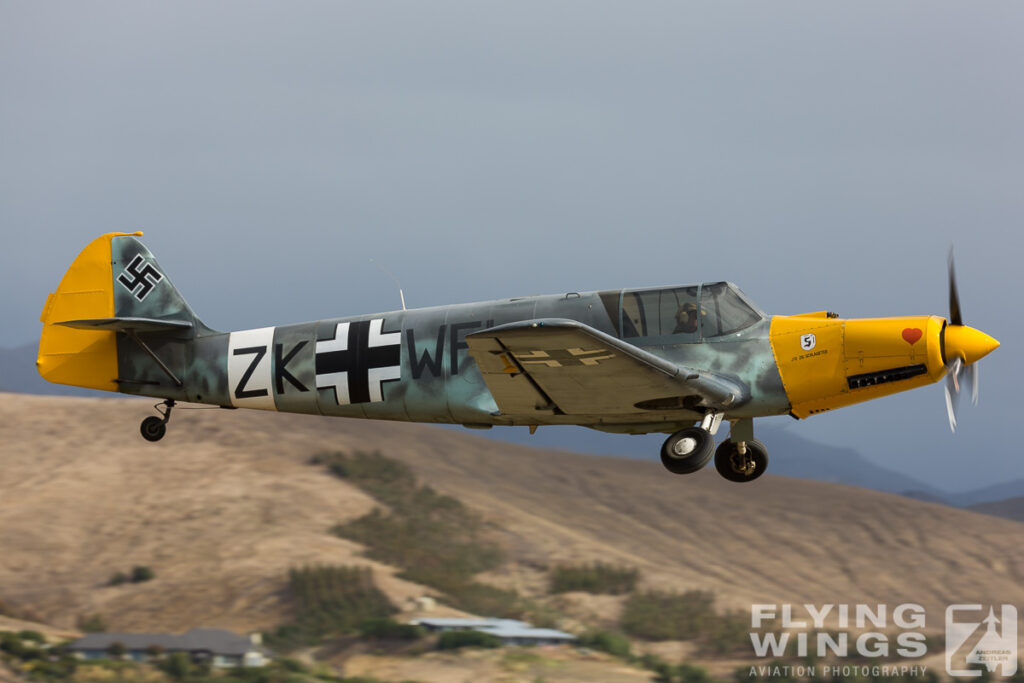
<point x="509" y="631"/>
<point x="223" y="649"/>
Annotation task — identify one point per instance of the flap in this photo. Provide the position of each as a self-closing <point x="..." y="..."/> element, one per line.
<point x="126" y="324"/>
<point x="566" y="367"/>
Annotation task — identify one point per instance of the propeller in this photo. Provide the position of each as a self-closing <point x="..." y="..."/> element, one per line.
<point x="962" y="347"/>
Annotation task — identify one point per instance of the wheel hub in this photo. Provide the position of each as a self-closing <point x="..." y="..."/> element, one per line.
<point x="684" y="447"/>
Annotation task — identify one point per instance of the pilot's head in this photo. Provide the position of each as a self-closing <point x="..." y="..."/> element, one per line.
<point x="686" y="318"/>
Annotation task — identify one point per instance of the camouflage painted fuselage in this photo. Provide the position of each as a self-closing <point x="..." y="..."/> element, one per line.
<point x="288" y="368"/>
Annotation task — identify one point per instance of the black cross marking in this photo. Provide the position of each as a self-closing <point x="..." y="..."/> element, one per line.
<point x="559" y="358"/>
<point x="139" y="282"/>
<point x="356" y="361"/>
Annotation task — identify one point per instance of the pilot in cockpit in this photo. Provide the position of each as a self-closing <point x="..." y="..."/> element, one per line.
<point x="686" y="319"/>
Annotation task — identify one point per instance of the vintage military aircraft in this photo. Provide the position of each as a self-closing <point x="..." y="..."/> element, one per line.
<point x="676" y="360"/>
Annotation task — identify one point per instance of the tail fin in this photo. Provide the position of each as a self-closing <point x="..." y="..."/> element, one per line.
<point x="114" y="285"/>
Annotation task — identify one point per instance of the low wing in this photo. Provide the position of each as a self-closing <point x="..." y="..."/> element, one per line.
<point x="559" y="366"/>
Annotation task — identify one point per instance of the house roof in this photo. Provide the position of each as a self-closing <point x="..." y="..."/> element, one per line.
<point x="460" y="622"/>
<point x="214" y="640"/>
<point x="502" y="628"/>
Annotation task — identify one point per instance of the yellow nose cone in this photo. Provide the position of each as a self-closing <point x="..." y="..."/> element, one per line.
<point x="968" y="343"/>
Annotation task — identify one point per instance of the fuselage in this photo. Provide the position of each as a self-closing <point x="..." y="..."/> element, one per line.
<point x="413" y="365"/>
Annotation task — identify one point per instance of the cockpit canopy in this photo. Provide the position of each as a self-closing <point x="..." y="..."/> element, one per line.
<point x="712" y="309"/>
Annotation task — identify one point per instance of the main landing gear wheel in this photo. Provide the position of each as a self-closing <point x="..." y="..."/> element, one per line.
<point x="741" y="467"/>
<point x="153" y="428"/>
<point x="688" y="450"/>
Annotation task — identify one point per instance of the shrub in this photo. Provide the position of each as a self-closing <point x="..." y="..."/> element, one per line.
<point x="118" y="578"/>
<point x="92" y="624"/>
<point x="598" y="578"/>
<point x="32" y="636"/>
<point x="613" y="643"/>
<point x="54" y="670"/>
<point x="388" y="629"/>
<point x="177" y="665"/>
<point x="140" y="574"/>
<point x="470" y="596"/>
<point x="452" y="640"/>
<point x="14" y="645"/>
<point x="330" y="600"/>
<point x="727" y="633"/>
<point x="11" y="644"/>
<point x="688" y="673"/>
<point x="656" y="615"/>
<point x="116" y="650"/>
<point x="434" y="538"/>
<point x="384" y="478"/>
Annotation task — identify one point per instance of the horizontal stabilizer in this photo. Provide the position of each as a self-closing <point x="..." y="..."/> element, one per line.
<point x="126" y="324"/>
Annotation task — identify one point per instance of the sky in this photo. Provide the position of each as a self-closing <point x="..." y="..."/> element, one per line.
<point x="820" y="155"/>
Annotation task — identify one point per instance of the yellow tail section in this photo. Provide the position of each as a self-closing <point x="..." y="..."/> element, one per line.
<point x="84" y="358"/>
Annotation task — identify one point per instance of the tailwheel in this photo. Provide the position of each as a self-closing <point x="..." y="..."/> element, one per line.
<point x="688" y="450"/>
<point x="153" y="428"/>
<point x="741" y="467"/>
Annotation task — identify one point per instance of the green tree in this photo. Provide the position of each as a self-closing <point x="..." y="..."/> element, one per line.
<point x="452" y="640"/>
<point x="177" y="665"/>
<point x="597" y="578"/>
<point x="613" y="643"/>
<point x="116" y="650"/>
<point x="94" y="623"/>
<point x="385" y="628"/>
<point x="688" y="673"/>
<point x="659" y="615"/>
<point x="32" y="636"/>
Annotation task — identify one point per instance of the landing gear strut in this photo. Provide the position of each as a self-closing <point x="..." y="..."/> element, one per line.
<point x="153" y="428"/>
<point x="741" y="461"/>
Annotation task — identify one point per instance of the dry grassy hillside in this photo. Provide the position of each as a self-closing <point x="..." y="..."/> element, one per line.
<point x="225" y="504"/>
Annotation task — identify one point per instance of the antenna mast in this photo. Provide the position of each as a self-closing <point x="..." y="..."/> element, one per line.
<point x="401" y="294"/>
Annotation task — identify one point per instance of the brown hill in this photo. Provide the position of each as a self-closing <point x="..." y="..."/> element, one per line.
<point x="1011" y="508"/>
<point x="225" y="504"/>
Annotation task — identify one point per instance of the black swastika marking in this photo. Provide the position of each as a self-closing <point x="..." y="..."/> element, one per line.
<point x="139" y="281"/>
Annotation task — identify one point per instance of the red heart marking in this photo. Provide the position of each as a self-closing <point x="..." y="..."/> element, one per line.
<point x="912" y="334"/>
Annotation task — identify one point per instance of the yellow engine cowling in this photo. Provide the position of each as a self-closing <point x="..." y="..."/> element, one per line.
<point x="828" y="363"/>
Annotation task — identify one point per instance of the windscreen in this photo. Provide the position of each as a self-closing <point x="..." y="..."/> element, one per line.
<point x="724" y="311"/>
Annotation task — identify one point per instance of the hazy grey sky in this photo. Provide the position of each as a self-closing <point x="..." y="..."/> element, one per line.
<point x="821" y="155"/>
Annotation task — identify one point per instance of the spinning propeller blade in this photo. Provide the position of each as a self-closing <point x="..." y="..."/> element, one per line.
<point x="962" y="347"/>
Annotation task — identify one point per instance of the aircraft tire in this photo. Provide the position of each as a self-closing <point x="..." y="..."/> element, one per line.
<point x="687" y="451"/>
<point x="153" y="428"/>
<point x="729" y="464"/>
